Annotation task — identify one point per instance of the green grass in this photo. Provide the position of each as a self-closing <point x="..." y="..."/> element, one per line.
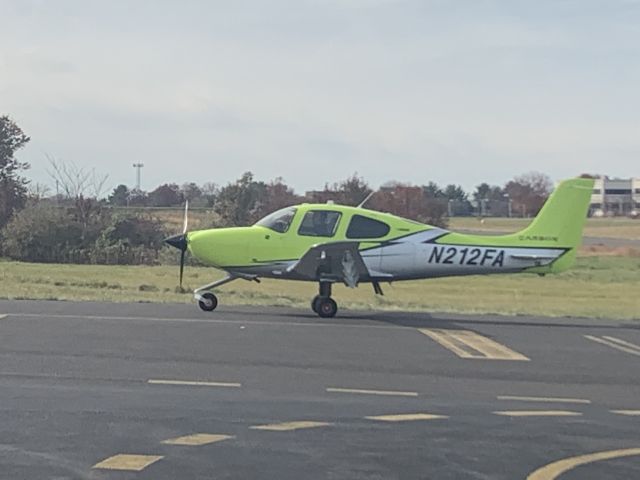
<point x="600" y="287"/>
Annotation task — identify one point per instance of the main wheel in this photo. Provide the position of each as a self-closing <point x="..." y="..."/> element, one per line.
<point x="314" y="303"/>
<point x="326" y="307"/>
<point x="208" y="302"/>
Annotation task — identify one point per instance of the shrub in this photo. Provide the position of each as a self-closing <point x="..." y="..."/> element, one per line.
<point x="42" y="233"/>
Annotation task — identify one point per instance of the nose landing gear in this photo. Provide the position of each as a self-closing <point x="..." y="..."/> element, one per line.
<point x="208" y="302"/>
<point x="323" y="304"/>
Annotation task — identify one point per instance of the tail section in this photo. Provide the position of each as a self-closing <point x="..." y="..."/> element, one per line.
<point x="561" y="220"/>
<point x="557" y="228"/>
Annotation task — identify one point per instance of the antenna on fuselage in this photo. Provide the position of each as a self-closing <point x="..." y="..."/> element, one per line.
<point x="361" y="204"/>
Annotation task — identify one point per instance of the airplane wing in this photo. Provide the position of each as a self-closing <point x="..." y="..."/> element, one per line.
<point x="335" y="261"/>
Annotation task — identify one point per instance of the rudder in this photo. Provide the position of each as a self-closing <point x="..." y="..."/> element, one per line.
<point x="561" y="220"/>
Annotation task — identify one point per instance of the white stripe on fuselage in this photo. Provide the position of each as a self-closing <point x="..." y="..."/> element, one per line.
<point x="424" y="260"/>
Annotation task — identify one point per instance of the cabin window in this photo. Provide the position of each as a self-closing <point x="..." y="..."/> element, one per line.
<point x="319" y="223"/>
<point x="365" y="227"/>
<point x="278" y="221"/>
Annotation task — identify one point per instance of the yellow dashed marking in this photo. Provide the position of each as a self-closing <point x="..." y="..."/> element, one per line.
<point x="288" y="426"/>
<point x="197" y="439"/>
<point x="629" y="413"/>
<point x="555" y="469"/>
<point x="543" y="399"/>
<point x="135" y="463"/>
<point x="372" y="392"/>
<point x="616" y="343"/>
<point x="406" y="417"/>
<point x="468" y="344"/>
<point x="190" y="383"/>
<point x="538" y="413"/>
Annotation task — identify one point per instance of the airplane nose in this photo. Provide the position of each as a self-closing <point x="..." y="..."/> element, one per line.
<point x="177" y="241"/>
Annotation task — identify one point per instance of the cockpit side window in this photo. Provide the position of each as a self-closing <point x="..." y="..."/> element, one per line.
<point x="280" y="221"/>
<point x="365" y="227"/>
<point x="319" y="223"/>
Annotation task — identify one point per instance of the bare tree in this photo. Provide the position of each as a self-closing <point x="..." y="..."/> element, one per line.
<point x="81" y="185"/>
<point x="38" y="191"/>
<point x="97" y="184"/>
<point x="75" y="181"/>
<point x="528" y="192"/>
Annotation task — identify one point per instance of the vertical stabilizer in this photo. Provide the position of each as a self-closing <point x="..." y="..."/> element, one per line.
<point x="561" y="220"/>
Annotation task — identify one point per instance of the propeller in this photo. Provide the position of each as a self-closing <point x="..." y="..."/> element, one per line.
<point x="180" y="241"/>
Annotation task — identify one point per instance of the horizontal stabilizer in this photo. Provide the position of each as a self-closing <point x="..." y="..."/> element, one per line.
<point x="533" y="257"/>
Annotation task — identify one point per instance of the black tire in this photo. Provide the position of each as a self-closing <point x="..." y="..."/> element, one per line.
<point x="314" y="303"/>
<point x="327" y="307"/>
<point x="208" y="303"/>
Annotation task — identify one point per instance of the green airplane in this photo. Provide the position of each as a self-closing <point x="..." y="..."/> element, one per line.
<point x="328" y="243"/>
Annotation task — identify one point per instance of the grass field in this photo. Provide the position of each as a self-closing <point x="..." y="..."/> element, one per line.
<point x="601" y="287"/>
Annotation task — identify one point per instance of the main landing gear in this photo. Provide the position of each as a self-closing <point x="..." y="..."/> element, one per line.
<point x="323" y="304"/>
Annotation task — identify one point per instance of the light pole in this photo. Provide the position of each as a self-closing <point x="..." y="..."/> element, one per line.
<point x="138" y="167"/>
<point x="506" y="195"/>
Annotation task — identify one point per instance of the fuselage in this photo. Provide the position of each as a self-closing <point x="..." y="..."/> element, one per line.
<point x="392" y="247"/>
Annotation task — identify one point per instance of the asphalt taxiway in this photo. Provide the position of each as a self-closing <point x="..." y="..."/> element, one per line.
<point x="147" y="391"/>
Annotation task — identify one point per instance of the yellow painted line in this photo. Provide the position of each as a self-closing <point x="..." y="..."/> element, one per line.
<point x="538" y="413"/>
<point x="288" y="426"/>
<point x="197" y="439"/>
<point x="135" y="463"/>
<point x="616" y="343"/>
<point x="372" y="392"/>
<point x="629" y="413"/>
<point x="468" y="344"/>
<point x="555" y="469"/>
<point x="191" y="383"/>
<point x="543" y="399"/>
<point x="406" y="417"/>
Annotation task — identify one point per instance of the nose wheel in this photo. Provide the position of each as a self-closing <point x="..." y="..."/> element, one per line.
<point x="208" y="302"/>
<point x="323" y="304"/>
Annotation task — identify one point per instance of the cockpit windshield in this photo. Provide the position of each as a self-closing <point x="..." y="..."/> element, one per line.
<point x="279" y="220"/>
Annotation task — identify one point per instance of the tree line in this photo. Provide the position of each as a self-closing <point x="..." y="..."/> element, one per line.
<point x="79" y="223"/>
<point x="247" y="199"/>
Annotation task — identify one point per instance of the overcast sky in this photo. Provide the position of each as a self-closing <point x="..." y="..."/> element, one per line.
<point x="450" y="91"/>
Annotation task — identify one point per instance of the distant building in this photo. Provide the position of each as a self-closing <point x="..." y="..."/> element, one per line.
<point x="615" y="197"/>
<point x="321" y="196"/>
